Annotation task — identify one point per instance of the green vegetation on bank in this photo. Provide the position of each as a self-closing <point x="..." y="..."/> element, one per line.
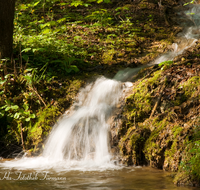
<point x="161" y="127"/>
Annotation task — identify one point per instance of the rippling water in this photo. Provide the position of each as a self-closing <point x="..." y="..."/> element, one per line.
<point x="130" y="178"/>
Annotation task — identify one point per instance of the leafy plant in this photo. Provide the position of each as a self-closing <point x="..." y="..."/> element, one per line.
<point x="20" y="115"/>
<point x="165" y="64"/>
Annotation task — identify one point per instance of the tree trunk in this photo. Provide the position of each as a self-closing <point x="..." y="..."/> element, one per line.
<point x="7" y="9"/>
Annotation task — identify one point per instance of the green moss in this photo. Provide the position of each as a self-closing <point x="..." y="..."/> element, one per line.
<point x="171" y="152"/>
<point x="139" y="104"/>
<point x="46" y="119"/>
<point x="190" y="163"/>
<point x="182" y="178"/>
<point x="107" y="57"/>
<point x="131" y="145"/>
<point x="191" y="86"/>
<point x="177" y="130"/>
<point x="150" y="145"/>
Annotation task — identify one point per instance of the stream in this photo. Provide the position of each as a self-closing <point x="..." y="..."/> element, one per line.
<point x="130" y="178"/>
<point x="77" y="152"/>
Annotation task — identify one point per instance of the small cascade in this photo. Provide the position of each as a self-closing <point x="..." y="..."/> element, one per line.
<point x="190" y="21"/>
<point x="80" y="140"/>
<point x="83" y="134"/>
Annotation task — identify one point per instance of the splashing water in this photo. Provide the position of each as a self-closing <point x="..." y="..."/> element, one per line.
<point x="80" y="139"/>
<point x="84" y="134"/>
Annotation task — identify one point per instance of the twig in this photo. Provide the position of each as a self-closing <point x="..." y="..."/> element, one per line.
<point x="22" y="138"/>
<point x="158" y="101"/>
<point x="35" y="90"/>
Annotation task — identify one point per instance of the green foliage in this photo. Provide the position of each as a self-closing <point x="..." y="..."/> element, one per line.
<point x="191" y="157"/>
<point x="165" y="64"/>
<point x="18" y="116"/>
<point x="14" y="111"/>
<point x="101" y="17"/>
<point x="139" y="104"/>
<point x="190" y="2"/>
<point x="191" y="162"/>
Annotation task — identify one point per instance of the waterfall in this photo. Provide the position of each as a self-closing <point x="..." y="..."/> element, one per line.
<point x="83" y="134"/>
<point x="80" y="139"/>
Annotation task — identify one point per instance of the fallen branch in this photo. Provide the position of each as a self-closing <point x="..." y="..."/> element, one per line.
<point x="33" y="89"/>
<point x="161" y="89"/>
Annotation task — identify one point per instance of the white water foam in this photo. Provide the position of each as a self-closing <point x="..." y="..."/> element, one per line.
<point x="79" y="141"/>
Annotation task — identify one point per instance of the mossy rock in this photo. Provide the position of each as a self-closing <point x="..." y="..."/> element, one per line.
<point x="46" y="119"/>
<point x="132" y="145"/>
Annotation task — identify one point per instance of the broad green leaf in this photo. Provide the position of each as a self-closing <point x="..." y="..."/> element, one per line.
<point x="77" y="3"/>
<point x="36" y="3"/>
<point x="77" y="37"/>
<point x="28" y="70"/>
<point x="46" y="31"/>
<point x="21" y="111"/>
<point x="7" y="108"/>
<point x="28" y="78"/>
<point x="27" y="112"/>
<point x="9" y="75"/>
<point x="15" y="107"/>
<point x="2" y="114"/>
<point x="16" y="116"/>
<point x="27" y="119"/>
<point x="25" y="107"/>
<point x="86" y="4"/>
<point x="8" y="102"/>
<point x="99" y="1"/>
<point x="61" y="20"/>
<point x="32" y="116"/>
<point x="62" y="4"/>
<point x="3" y="107"/>
<point x="26" y="50"/>
<point x="74" y="68"/>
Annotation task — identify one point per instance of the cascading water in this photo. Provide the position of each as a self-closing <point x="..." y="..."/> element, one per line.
<point x="80" y="139"/>
<point x="188" y="37"/>
<point x="84" y="133"/>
